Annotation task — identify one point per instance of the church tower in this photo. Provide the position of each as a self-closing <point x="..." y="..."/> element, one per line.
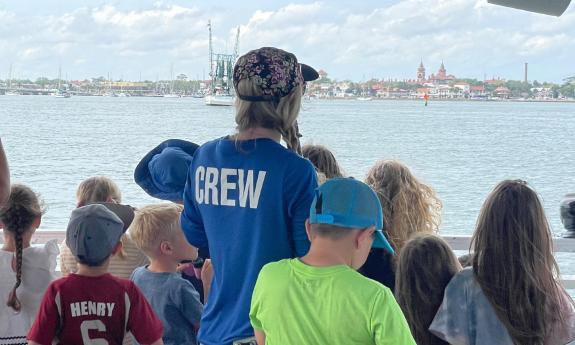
<point x="421" y="73"/>
<point x="442" y="73"/>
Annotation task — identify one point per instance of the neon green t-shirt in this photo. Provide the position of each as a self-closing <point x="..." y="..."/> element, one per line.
<point x="295" y="304"/>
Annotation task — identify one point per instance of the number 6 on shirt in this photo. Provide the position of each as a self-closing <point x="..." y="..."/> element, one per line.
<point x="89" y="325"/>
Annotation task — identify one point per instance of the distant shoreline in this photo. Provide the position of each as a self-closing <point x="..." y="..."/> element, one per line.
<point x="513" y="100"/>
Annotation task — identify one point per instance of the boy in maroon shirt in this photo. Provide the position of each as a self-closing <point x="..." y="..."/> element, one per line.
<point x="92" y="306"/>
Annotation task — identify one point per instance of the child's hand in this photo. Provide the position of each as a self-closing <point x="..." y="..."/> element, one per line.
<point x="186" y="268"/>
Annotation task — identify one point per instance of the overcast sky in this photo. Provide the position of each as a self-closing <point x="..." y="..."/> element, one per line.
<point x="355" y="40"/>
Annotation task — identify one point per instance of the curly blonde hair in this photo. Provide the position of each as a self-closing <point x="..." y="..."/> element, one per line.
<point x="409" y="206"/>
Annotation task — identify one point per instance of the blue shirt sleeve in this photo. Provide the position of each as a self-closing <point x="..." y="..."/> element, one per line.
<point x="300" y="187"/>
<point x="190" y="304"/>
<point x="191" y="219"/>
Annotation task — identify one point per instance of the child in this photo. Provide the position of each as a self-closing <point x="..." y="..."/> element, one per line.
<point x="323" y="160"/>
<point x="512" y="294"/>
<point x="156" y="231"/>
<point x="425" y="266"/>
<point x="409" y="207"/>
<point x="92" y="306"/>
<point x="26" y="271"/>
<point x="162" y="173"/>
<point x="320" y="298"/>
<point x="99" y="189"/>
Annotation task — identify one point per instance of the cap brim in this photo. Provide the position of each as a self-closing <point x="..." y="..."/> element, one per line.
<point x="124" y="212"/>
<point x="308" y="72"/>
<point x="379" y="241"/>
<point x="142" y="175"/>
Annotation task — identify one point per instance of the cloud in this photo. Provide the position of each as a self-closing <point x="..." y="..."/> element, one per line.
<point x="466" y="34"/>
<point x="470" y="36"/>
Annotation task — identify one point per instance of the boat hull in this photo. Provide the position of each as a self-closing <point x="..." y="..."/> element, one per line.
<point x="219" y="100"/>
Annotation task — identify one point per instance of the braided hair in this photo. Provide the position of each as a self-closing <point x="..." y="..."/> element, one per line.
<point x="18" y="216"/>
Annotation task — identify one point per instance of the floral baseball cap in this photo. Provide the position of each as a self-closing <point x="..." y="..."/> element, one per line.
<point x="276" y="71"/>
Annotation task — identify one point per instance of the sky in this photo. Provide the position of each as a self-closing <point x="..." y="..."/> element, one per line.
<point x="355" y="40"/>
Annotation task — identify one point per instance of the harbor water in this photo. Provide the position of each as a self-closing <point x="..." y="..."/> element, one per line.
<point x="462" y="149"/>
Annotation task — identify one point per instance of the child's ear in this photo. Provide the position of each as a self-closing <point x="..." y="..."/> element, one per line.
<point x="117" y="248"/>
<point x="365" y="235"/>
<point x="308" y="229"/>
<point x="37" y="222"/>
<point x="166" y="247"/>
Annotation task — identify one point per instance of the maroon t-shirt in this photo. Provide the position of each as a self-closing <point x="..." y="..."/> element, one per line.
<point x="96" y="310"/>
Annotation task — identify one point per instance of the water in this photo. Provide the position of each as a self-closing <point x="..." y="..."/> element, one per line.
<point x="462" y="149"/>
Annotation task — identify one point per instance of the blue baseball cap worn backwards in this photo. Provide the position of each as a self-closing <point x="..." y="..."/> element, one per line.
<point x="349" y="203"/>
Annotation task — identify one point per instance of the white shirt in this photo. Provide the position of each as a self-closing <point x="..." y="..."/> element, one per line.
<point x="38" y="270"/>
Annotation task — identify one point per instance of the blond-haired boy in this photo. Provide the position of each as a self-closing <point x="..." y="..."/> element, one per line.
<point x="157" y="232"/>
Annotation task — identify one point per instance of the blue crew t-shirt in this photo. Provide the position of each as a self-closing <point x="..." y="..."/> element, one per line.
<point x="248" y="201"/>
<point x="175" y="301"/>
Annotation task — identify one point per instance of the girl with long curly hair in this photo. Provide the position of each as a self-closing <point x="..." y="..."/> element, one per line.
<point x="409" y="206"/>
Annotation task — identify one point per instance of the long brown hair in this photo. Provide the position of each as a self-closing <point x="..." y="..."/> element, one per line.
<point x="409" y="206"/>
<point x="514" y="263"/>
<point x="425" y="267"/>
<point x="322" y="159"/>
<point x="18" y="216"/>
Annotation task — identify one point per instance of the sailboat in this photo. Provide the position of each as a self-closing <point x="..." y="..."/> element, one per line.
<point x="61" y="93"/>
<point x="10" y="91"/>
<point x="171" y="94"/>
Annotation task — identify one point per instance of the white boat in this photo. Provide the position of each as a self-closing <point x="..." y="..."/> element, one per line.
<point x="221" y="73"/>
<point x="12" y="93"/>
<point x="364" y="98"/>
<point x="221" y="100"/>
<point x="171" y="95"/>
<point x="62" y="94"/>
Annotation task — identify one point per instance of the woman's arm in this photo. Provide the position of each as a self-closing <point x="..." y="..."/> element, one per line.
<point x="207" y="276"/>
<point x="4" y="176"/>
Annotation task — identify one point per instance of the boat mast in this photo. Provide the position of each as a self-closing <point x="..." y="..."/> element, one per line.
<point x="236" y="45"/>
<point x="212" y="86"/>
<point x="10" y="78"/>
<point x="59" y="76"/>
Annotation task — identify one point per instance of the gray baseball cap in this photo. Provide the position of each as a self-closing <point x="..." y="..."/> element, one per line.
<point x="94" y="230"/>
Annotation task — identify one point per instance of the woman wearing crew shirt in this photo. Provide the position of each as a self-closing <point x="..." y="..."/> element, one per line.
<point x="247" y="196"/>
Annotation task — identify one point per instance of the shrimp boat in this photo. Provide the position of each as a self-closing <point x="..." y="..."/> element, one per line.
<point x="221" y="73"/>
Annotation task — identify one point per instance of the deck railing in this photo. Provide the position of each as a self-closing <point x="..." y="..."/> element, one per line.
<point x="561" y="245"/>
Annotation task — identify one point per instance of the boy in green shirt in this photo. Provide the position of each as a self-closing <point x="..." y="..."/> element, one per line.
<point x="320" y="298"/>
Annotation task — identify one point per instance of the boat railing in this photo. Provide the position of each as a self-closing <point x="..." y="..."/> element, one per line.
<point x="457" y="243"/>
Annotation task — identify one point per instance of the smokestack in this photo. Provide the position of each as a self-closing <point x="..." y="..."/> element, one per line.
<point x="526" y="72"/>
